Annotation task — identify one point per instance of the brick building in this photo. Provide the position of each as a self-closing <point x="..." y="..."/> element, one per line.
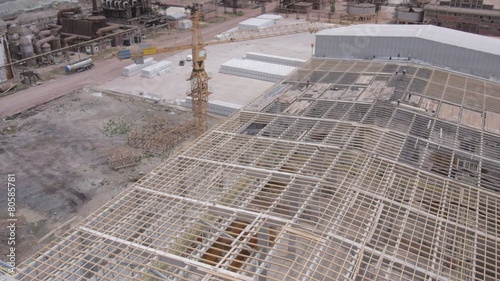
<point x="475" y="16"/>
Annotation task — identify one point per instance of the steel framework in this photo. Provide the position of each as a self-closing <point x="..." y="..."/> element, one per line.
<point x="345" y="171"/>
<point x="199" y="80"/>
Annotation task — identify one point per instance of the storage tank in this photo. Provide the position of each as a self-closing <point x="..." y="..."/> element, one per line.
<point x="13" y="37"/>
<point x="46" y="48"/>
<point x="78" y="65"/>
<point x="26" y="47"/>
<point x="56" y="43"/>
<point x="360" y="9"/>
<point x="409" y="14"/>
<point x="25" y="31"/>
<point x="5" y="72"/>
<point x="34" y="29"/>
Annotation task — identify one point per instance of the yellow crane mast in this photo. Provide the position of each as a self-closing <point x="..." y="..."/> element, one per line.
<point x="199" y="79"/>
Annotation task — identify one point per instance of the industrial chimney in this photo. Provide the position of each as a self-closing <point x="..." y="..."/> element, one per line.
<point x="95" y="11"/>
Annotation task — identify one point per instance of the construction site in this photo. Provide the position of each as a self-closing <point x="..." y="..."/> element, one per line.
<point x="280" y="149"/>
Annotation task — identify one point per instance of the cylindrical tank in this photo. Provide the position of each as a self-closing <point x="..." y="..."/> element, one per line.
<point x="361" y="9"/>
<point x="46" y="48"/>
<point x="409" y="14"/>
<point x="25" y="31"/>
<point x="56" y="43"/>
<point x="13" y="28"/>
<point x="34" y="29"/>
<point x="40" y="42"/>
<point x="78" y="65"/>
<point x="13" y="37"/>
<point x="26" y="47"/>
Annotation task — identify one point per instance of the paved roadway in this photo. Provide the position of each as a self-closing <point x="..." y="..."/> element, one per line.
<point x="104" y="71"/>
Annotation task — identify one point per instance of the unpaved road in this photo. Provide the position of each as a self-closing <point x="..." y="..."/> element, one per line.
<point x="103" y="71"/>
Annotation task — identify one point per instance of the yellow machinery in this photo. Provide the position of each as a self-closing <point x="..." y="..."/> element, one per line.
<point x="199" y="78"/>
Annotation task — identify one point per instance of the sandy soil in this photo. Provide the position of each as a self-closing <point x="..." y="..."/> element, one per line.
<point x="58" y="152"/>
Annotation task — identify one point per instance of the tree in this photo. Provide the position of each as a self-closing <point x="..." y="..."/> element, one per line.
<point x="332" y="6"/>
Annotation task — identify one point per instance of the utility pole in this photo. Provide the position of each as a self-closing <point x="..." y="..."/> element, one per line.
<point x="199" y="80"/>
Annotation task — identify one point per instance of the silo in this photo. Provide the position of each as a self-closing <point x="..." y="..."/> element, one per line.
<point x="26" y="47"/>
<point x="405" y="14"/>
<point x="360" y="10"/>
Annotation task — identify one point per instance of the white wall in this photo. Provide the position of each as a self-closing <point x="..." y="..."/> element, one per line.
<point x="468" y="61"/>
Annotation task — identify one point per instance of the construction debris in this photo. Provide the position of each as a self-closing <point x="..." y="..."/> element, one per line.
<point x="121" y="157"/>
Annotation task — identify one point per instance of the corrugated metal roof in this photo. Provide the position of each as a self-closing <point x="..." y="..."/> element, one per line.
<point x="426" y="32"/>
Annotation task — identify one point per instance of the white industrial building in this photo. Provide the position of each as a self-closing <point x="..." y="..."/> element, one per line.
<point x="456" y="50"/>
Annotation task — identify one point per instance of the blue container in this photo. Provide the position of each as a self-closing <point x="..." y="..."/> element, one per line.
<point x="124" y="54"/>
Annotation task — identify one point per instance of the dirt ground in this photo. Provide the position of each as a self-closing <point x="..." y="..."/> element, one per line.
<point x="58" y="152"/>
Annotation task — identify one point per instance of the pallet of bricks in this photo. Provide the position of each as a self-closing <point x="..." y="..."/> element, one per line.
<point x="157" y="69"/>
<point x="134" y="69"/>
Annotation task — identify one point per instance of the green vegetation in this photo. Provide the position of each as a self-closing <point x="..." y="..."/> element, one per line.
<point x="11" y="117"/>
<point x="9" y="130"/>
<point x="119" y="127"/>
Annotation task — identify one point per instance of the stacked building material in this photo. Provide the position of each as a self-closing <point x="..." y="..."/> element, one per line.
<point x="256" y="70"/>
<point x="254" y="24"/>
<point x="134" y="69"/>
<point x="184" y="24"/>
<point x="274" y="59"/>
<point x="274" y="18"/>
<point x="159" y="68"/>
<point x="214" y="106"/>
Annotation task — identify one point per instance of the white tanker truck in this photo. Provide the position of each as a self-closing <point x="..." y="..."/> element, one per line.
<point x="80" y="65"/>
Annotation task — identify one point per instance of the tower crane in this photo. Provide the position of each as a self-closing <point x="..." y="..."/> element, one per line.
<point x="199" y="78"/>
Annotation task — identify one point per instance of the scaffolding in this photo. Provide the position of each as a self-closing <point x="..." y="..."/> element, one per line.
<point x="121" y="157"/>
<point x="157" y="136"/>
<point x="344" y="171"/>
